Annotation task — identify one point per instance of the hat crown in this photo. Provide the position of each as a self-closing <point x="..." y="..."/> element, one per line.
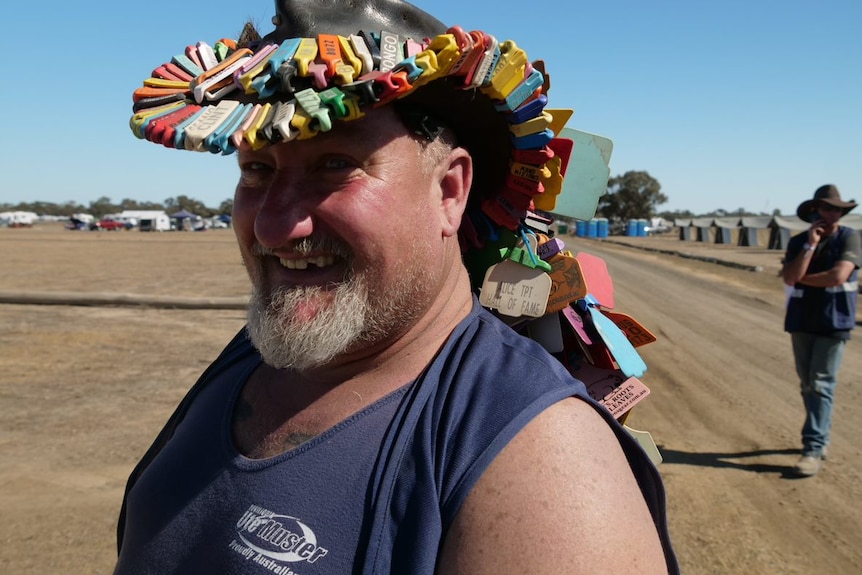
<point x="827" y="192"/>
<point x="307" y="18"/>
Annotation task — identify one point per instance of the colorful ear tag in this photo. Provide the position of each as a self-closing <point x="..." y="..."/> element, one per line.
<point x="560" y="118"/>
<point x="586" y="176"/>
<point x="577" y="323"/>
<point x="567" y="282"/>
<point x="598" y="281"/>
<point x="615" y="340"/>
<point x="637" y="334"/>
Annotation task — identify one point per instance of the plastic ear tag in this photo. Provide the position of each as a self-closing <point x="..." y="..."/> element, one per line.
<point x="309" y="101"/>
<point x="546" y="331"/>
<point x="206" y="55"/>
<point x="192" y="54"/>
<point x="528" y="111"/>
<point x="252" y="134"/>
<point x="237" y="136"/>
<point x="221" y="50"/>
<point x="349" y="55"/>
<point x="586" y="178"/>
<point x="560" y="117"/>
<point x="390" y="50"/>
<point x="172" y="68"/>
<point x="219" y="141"/>
<point x="253" y="67"/>
<point x="360" y="47"/>
<point x="522" y="92"/>
<point x="553" y="183"/>
<point x="139" y="121"/>
<point x="526" y="258"/>
<point x="162" y="83"/>
<point x="549" y="247"/>
<point x="538" y="124"/>
<point x="305" y="55"/>
<point x="164" y="73"/>
<point x="333" y="98"/>
<point x="282" y="129"/>
<point x="528" y="172"/>
<point x="509" y="71"/>
<point x="283" y="54"/>
<point x="207" y="123"/>
<point x="531" y="141"/>
<point x="610" y="387"/>
<point x="637" y="334"/>
<point x="185" y="64"/>
<point x="577" y="322"/>
<point x="562" y="148"/>
<point x="286" y="73"/>
<point x="515" y="290"/>
<point x="203" y="86"/>
<point x="567" y="282"/>
<point x="617" y="344"/>
<point x="445" y="52"/>
<point x="486" y="63"/>
<point x="646" y="442"/>
<point x="599" y="282"/>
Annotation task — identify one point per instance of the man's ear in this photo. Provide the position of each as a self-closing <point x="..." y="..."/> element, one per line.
<point x="455" y="181"/>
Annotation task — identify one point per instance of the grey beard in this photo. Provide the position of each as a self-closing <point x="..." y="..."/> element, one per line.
<point x="285" y="343"/>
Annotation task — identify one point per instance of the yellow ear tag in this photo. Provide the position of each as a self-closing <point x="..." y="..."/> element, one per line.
<point x="553" y="183"/>
<point x="515" y="290"/>
<point x="561" y="117"/>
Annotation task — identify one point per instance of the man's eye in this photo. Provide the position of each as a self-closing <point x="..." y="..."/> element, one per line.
<point x="253" y="173"/>
<point x="337" y="163"/>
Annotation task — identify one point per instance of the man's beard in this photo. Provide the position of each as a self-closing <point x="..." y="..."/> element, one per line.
<point x="350" y="316"/>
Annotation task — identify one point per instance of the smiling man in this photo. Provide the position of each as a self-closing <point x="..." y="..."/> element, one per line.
<point x="372" y="417"/>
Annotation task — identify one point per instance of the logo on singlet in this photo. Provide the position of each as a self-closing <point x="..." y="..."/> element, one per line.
<point x="270" y="539"/>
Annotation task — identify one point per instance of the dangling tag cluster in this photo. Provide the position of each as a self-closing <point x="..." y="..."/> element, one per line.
<point x="575" y="321"/>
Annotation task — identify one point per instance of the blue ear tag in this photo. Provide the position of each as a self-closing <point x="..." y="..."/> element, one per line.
<point x="619" y="346"/>
<point x="586" y="178"/>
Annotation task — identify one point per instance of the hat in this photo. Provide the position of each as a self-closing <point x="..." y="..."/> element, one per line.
<point x="329" y="62"/>
<point x="827" y="194"/>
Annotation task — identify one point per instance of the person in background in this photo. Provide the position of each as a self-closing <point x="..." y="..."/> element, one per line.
<point x="372" y="417"/>
<point x="821" y="265"/>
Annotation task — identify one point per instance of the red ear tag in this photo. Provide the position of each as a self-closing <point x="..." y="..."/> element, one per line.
<point x="562" y="148"/>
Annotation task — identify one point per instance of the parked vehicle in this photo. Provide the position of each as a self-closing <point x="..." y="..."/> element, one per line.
<point x="110" y="225"/>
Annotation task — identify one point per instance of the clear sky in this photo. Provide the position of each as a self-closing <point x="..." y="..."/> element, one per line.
<point x="734" y="104"/>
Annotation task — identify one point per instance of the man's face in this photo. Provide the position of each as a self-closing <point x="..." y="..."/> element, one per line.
<point x="341" y="237"/>
<point x="828" y="213"/>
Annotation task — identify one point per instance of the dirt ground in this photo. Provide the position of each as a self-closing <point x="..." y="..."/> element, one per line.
<point x="84" y="389"/>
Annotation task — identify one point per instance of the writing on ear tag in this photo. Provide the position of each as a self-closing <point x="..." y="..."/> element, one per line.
<point x="567" y="282"/>
<point x="515" y="290"/>
<point x="637" y="334"/>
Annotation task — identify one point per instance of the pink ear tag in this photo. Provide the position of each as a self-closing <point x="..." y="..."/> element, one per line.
<point x="597" y="279"/>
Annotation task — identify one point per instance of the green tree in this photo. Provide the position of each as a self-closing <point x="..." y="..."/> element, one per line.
<point x="192" y="205"/>
<point x="633" y="195"/>
<point x="226" y="207"/>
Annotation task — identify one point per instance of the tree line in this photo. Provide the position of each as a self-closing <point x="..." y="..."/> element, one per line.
<point x="105" y="206"/>
<point x="632" y="195"/>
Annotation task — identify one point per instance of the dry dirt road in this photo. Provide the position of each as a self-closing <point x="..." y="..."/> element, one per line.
<point x="83" y="391"/>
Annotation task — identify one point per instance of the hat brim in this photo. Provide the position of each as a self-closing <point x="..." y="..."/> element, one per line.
<point x="807" y="210"/>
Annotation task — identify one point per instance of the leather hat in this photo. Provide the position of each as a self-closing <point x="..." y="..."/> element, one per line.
<point x="828" y="194"/>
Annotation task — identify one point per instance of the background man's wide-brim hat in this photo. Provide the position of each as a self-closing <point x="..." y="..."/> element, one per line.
<point x="828" y="194"/>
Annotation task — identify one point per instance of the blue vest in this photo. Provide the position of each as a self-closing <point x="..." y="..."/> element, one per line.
<point x="374" y="494"/>
<point x="827" y="311"/>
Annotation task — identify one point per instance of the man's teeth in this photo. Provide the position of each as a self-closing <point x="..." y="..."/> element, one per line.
<point x="301" y="264"/>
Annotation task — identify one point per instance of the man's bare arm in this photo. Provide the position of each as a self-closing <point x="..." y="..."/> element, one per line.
<point x="560" y="498"/>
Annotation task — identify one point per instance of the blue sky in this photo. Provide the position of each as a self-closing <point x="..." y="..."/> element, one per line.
<point x="734" y="104"/>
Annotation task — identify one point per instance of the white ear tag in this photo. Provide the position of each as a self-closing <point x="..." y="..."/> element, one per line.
<point x="514" y="289"/>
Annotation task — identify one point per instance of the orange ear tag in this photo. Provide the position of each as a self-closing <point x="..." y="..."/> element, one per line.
<point x="637" y="334"/>
<point x="567" y="282"/>
<point x="515" y="290"/>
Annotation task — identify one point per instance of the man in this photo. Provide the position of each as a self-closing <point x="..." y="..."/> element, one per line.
<point x="373" y="418"/>
<point x="821" y="264"/>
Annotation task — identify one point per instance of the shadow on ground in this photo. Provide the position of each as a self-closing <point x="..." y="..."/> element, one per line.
<point x="731" y="460"/>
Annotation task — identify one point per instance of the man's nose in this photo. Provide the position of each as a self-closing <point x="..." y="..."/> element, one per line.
<point x="283" y="216"/>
